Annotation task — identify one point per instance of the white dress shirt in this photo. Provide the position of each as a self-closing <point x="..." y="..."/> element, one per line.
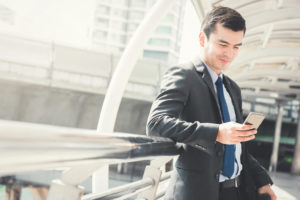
<point x="238" y="150"/>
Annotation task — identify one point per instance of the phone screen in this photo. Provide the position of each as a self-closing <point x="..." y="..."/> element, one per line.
<point x="254" y="119"/>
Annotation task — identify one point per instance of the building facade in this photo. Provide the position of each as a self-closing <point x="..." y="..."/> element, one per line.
<point x="115" y="21"/>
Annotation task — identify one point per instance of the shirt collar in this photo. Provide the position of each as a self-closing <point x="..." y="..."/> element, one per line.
<point x="214" y="76"/>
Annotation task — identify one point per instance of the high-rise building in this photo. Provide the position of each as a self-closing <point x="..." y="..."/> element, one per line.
<point x="116" y="20"/>
<point x="6" y="15"/>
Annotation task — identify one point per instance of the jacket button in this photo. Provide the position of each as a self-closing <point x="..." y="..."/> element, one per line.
<point x="217" y="177"/>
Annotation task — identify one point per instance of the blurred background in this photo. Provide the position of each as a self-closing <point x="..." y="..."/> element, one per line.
<point x="57" y="58"/>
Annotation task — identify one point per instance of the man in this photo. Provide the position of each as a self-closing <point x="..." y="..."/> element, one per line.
<point x="201" y="108"/>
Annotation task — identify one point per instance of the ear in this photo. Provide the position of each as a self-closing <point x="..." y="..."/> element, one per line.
<point x="202" y="38"/>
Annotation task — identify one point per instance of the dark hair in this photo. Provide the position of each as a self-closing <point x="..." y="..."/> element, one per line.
<point x="228" y="17"/>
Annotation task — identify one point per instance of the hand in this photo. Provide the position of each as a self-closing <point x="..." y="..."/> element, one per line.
<point x="233" y="133"/>
<point x="267" y="190"/>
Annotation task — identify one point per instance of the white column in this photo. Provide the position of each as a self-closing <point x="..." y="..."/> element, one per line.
<point x="274" y="156"/>
<point x="121" y="76"/>
<point x="296" y="159"/>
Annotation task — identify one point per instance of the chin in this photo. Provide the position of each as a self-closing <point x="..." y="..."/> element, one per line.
<point x="224" y="67"/>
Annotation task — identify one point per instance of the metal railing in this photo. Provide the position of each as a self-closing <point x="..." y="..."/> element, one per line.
<point x="28" y="147"/>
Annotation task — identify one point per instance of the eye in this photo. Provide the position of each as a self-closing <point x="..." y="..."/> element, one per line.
<point x="223" y="45"/>
<point x="236" y="47"/>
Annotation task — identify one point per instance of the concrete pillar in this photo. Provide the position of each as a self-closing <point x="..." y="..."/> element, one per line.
<point x="13" y="193"/>
<point x="296" y="160"/>
<point x="252" y="109"/>
<point x="274" y="156"/>
<point x="39" y="193"/>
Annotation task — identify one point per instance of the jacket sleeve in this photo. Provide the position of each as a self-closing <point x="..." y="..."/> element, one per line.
<point x="164" y="118"/>
<point x="258" y="172"/>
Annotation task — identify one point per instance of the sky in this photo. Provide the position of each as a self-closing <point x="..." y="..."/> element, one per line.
<point x="48" y="27"/>
<point x="49" y="20"/>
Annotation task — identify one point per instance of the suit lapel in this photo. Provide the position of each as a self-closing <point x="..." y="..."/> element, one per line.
<point x="200" y="67"/>
<point x="238" y="114"/>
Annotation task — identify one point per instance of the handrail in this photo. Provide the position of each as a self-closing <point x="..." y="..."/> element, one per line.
<point x="128" y="190"/>
<point x="29" y="147"/>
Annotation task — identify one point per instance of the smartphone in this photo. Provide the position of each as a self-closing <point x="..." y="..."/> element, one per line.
<point x="254" y="119"/>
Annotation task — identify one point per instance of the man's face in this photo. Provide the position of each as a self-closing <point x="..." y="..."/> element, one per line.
<point x="221" y="48"/>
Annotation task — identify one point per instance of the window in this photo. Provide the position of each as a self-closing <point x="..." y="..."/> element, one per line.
<point x="169" y="18"/>
<point x="176" y="8"/>
<point x="158" y="55"/>
<point x="136" y="15"/>
<point x="100" y="35"/>
<point x="132" y="27"/>
<point x="138" y="3"/>
<point x="7" y="15"/>
<point x="119" y="13"/>
<point x="117" y="38"/>
<point x="119" y="2"/>
<point x="104" y="1"/>
<point x="163" y="29"/>
<point x="102" y="22"/>
<point x="103" y="10"/>
<point x="117" y="25"/>
<point x="159" y="42"/>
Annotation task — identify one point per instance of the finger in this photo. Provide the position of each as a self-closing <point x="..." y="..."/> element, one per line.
<point x="246" y="133"/>
<point x="247" y="138"/>
<point x="245" y="127"/>
<point x="273" y="196"/>
<point x="240" y="139"/>
<point x="251" y="137"/>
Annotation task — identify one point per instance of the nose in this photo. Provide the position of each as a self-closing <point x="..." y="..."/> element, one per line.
<point x="229" y="53"/>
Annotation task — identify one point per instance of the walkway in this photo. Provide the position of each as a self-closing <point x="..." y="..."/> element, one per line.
<point x="286" y="186"/>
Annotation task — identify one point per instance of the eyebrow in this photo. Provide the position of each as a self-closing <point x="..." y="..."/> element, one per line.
<point x="223" y="41"/>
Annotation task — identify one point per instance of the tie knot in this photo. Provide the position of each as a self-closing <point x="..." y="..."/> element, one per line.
<point x="219" y="81"/>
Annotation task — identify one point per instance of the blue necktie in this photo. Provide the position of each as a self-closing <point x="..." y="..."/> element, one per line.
<point x="229" y="157"/>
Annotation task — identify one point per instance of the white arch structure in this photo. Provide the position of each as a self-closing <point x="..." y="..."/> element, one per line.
<point x="126" y="64"/>
<point x="247" y="56"/>
<point x="121" y="76"/>
<point x="273" y="16"/>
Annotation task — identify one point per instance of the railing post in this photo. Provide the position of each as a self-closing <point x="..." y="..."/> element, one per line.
<point x="62" y="191"/>
<point x="68" y="187"/>
<point x="154" y="172"/>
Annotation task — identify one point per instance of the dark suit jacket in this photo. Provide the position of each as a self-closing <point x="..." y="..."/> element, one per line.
<point x="186" y="110"/>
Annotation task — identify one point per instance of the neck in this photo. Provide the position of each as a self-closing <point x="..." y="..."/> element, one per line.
<point x="218" y="72"/>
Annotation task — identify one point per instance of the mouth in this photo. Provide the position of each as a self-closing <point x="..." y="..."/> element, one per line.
<point x="224" y="61"/>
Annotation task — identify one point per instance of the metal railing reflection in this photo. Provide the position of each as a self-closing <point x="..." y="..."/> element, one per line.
<point x="28" y="147"/>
